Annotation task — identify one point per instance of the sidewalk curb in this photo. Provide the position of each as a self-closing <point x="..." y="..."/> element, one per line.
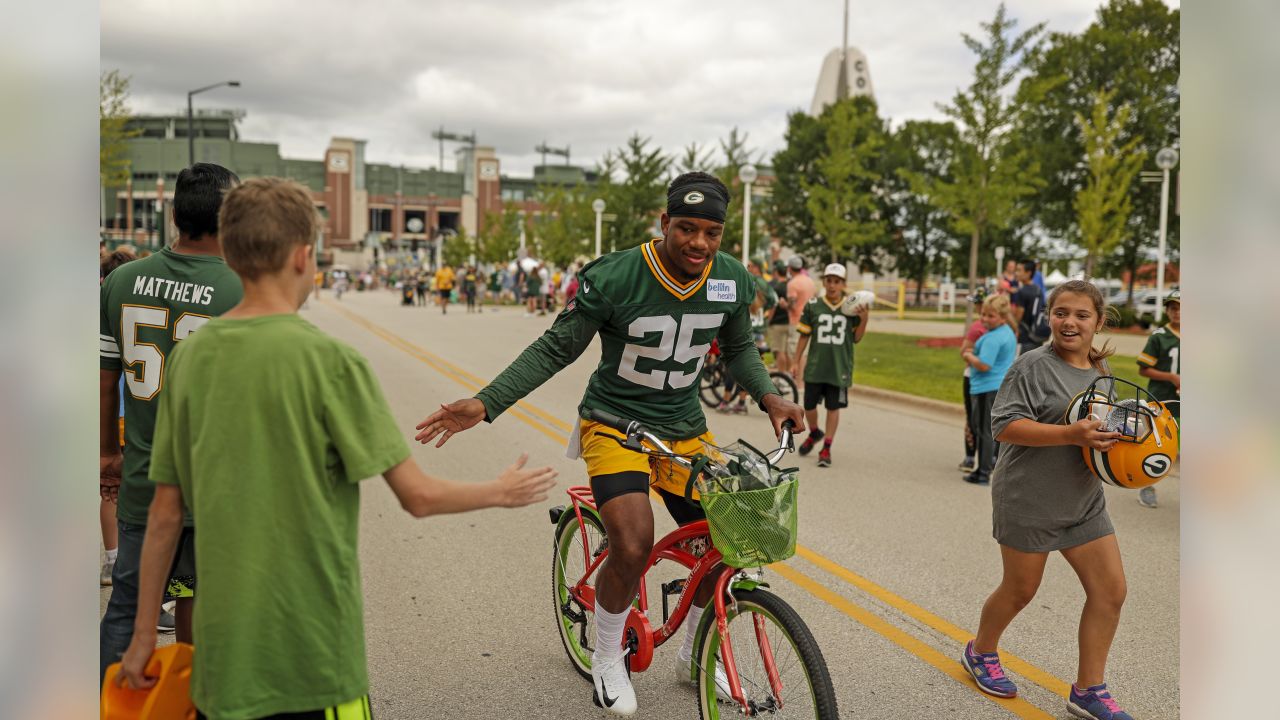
<point x="941" y="406"/>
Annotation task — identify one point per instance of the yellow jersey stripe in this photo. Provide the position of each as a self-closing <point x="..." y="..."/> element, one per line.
<point x="683" y="291"/>
<point x="803" y="329"/>
<point x="1146" y="359"/>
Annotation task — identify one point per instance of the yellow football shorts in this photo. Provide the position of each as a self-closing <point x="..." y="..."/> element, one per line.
<point x="604" y="456"/>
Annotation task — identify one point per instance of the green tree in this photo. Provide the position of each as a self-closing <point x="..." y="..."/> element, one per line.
<point x="639" y="196"/>
<point x="694" y="159"/>
<point x="922" y="235"/>
<point x="1132" y="48"/>
<point x="456" y="249"/>
<point x="735" y="154"/>
<point x="991" y="173"/>
<point x="795" y="166"/>
<point x="843" y="198"/>
<point x="499" y="237"/>
<point x="566" y="228"/>
<point x="113" y="130"/>
<point x="1103" y="205"/>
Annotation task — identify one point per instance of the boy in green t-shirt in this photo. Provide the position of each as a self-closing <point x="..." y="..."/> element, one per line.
<point x="1161" y="364"/>
<point x="828" y="371"/>
<point x="264" y="431"/>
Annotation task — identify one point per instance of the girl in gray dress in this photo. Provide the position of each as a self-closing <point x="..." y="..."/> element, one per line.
<point x="1044" y="499"/>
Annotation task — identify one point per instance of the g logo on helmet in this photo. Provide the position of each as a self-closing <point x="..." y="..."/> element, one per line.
<point x="693" y="197"/>
<point x="1148" y="443"/>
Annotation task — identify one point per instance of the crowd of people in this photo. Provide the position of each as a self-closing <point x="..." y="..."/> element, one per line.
<point x="306" y="419"/>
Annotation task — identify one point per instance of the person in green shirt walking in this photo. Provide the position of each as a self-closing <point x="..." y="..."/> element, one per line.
<point x="147" y="309"/>
<point x="828" y="369"/>
<point x="1161" y="363"/>
<point x="265" y="431"/>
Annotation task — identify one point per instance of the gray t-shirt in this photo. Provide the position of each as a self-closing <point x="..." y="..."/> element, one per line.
<point x="1043" y="498"/>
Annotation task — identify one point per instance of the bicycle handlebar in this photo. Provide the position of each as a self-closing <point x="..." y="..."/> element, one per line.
<point x="635" y="432"/>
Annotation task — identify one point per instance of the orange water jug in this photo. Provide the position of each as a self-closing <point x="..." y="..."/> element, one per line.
<point x="168" y="699"/>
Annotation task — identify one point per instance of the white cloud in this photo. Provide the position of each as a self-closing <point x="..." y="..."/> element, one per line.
<point x="578" y="72"/>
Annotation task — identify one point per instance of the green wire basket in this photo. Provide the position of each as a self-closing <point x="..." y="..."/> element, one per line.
<point x="752" y="528"/>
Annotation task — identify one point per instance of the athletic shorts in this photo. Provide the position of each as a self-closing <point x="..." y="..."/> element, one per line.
<point x="604" y="456"/>
<point x="444" y="294"/>
<point x="776" y="336"/>
<point x="182" y="576"/>
<point x="358" y="709"/>
<point x="834" y="397"/>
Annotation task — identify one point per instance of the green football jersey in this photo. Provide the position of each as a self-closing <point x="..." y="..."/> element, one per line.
<point x="830" y="351"/>
<point x="655" y="332"/>
<point x="147" y="307"/>
<point x="1161" y="353"/>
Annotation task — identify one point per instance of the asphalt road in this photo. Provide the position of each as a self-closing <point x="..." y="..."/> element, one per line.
<point x="895" y="558"/>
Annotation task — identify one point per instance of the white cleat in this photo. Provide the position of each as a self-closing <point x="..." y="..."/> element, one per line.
<point x="611" y="687"/>
<point x="684" y="673"/>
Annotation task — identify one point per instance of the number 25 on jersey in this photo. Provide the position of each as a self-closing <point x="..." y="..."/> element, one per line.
<point x="675" y="343"/>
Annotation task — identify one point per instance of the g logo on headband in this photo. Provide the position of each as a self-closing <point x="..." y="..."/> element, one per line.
<point x="694" y="197"/>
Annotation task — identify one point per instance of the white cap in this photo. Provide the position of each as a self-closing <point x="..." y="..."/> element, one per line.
<point x="836" y="269"/>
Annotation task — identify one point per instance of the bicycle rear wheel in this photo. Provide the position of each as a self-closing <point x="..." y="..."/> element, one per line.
<point x="763" y="621"/>
<point x="573" y="619"/>
<point x="711" y="386"/>
<point x="786" y="385"/>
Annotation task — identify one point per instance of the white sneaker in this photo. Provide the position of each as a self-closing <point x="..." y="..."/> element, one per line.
<point x="104" y="577"/>
<point x="1147" y="497"/>
<point x="684" y="673"/>
<point x="611" y="687"/>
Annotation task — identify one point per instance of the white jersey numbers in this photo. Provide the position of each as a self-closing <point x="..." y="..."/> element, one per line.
<point x="144" y="362"/>
<point x="675" y="343"/>
<point x="831" y="329"/>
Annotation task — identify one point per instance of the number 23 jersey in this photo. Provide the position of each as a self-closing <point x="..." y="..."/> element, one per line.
<point x="654" y="331"/>
<point x="831" y="341"/>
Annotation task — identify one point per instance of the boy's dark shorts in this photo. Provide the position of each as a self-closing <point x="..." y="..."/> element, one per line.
<point x="444" y="294"/>
<point x="182" y="576"/>
<point x="834" y="397"/>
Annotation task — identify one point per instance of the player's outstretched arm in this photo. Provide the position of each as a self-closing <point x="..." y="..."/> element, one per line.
<point x="421" y="494"/>
<point x="449" y="420"/>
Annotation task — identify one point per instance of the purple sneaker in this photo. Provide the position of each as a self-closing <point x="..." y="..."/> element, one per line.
<point x="987" y="672"/>
<point x="1095" y="703"/>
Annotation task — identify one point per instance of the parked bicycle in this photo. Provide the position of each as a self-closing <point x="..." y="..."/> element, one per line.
<point x="770" y="659"/>
<point x="716" y="386"/>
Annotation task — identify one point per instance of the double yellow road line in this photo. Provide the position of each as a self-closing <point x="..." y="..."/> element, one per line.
<point x="558" y="430"/>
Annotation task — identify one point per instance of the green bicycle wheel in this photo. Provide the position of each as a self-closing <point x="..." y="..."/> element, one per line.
<point x="806" y="684"/>
<point x="573" y="620"/>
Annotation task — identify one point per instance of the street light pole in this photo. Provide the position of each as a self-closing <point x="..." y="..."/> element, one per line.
<point x="747" y="175"/>
<point x="1166" y="160"/>
<point x="191" y="137"/>
<point x="598" y="206"/>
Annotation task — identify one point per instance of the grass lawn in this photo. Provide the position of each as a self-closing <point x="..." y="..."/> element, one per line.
<point x="896" y="362"/>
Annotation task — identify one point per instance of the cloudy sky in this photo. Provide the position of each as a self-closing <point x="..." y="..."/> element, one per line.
<point x="581" y="73"/>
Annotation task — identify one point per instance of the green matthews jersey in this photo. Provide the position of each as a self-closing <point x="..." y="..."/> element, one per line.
<point x="1161" y="353"/>
<point x="147" y="306"/>
<point x="654" y="331"/>
<point x="830" y="351"/>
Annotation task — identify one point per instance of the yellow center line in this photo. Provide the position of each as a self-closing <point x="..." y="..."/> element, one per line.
<point x="928" y="654"/>
<point x="948" y="666"/>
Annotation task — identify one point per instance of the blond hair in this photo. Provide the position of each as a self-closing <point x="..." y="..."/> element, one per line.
<point x="261" y="221"/>
<point x="1089" y="290"/>
<point x="1000" y="305"/>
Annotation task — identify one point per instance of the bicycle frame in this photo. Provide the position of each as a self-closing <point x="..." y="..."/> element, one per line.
<point x="667" y="548"/>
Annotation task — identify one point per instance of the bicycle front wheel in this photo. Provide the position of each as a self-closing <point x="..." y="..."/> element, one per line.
<point x="786" y="385"/>
<point x="711" y="386"/>
<point x="768" y="636"/>
<point x="568" y="565"/>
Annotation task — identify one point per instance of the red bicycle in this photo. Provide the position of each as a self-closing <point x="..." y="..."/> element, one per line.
<point x="771" y="661"/>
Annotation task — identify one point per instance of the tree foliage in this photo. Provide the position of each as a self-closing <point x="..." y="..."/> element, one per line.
<point x="566" y="227"/>
<point x="634" y="188"/>
<point x="499" y="237"/>
<point x="843" y="197"/>
<point x="735" y="154"/>
<point x="1104" y="204"/>
<point x="922" y="236"/>
<point x="113" y="131"/>
<point x="1131" y="49"/>
<point x="991" y="173"/>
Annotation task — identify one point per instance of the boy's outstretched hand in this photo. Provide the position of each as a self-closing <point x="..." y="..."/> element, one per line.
<point x="520" y="487"/>
<point x="449" y="420"/>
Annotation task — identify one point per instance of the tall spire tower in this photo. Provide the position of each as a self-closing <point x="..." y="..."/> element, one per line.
<point x="844" y="73"/>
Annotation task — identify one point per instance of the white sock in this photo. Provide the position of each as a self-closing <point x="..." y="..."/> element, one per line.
<point x="111" y="555"/>
<point x="609" y="627"/>
<point x="690" y="629"/>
